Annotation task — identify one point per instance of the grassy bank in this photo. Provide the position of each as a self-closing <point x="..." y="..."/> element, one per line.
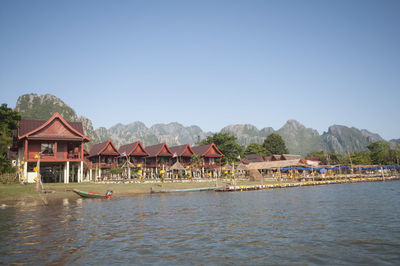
<point x="16" y="192"/>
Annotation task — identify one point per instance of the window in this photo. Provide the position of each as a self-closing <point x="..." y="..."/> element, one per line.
<point x="47" y="148"/>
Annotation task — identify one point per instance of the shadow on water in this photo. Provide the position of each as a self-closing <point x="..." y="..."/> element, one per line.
<point x="338" y="224"/>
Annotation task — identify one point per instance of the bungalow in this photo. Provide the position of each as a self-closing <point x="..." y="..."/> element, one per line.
<point x="182" y="154"/>
<point x="159" y="156"/>
<point x="134" y="152"/>
<point x="291" y="157"/>
<point x="103" y="156"/>
<point x="255" y="157"/>
<point x="54" y="146"/>
<point x="210" y="157"/>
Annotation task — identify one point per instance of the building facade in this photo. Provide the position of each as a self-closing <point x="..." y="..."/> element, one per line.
<point x="53" y="148"/>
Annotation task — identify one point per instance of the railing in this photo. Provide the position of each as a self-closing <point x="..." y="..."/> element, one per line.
<point x="156" y="165"/>
<point x="104" y="165"/>
<point x="213" y="166"/>
<point x="73" y="156"/>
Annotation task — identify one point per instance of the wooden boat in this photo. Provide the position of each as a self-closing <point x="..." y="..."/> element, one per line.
<point x="184" y="190"/>
<point x="85" y="194"/>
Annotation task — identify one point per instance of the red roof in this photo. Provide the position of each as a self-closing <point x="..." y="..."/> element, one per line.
<point x="255" y="157"/>
<point x="100" y="149"/>
<point x="206" y="150"/>
<point x="155" y="150"/>
<point x="180" y="150"/>
<point x="133" y="149"/>
<point x="27" y="127"/>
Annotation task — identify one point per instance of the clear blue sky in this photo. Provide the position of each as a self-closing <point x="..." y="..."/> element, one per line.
<point x="209" y="63"/>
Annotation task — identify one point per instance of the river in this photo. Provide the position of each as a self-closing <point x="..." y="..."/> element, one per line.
<point x="333" y="224"/>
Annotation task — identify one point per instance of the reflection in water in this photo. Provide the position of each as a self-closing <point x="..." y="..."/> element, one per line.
<point x="337" y="224"/>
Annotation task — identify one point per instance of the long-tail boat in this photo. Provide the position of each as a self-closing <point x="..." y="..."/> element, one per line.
<point x="184" y="190"/>
<point x="84" y="194"/>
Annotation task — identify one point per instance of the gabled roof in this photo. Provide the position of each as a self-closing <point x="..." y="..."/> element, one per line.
<point x="206" y="150"/>
<point x="101" y="149"/>
<point x="27" y="127"/>
<point x="255" y="157"/>
<point x="275" y="157"/>
<point x="132" y="149"/>
<point x="291" y="157"/>
<point x="275" y="164"/>
<point x="181" y="149"/>
<point x="155" y="150"/>
<point x="177" y="166"/>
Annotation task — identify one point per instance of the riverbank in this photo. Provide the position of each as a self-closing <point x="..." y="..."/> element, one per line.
<point x="12" y="194"/>
<point x="23" y="194"/>
<point x="307" y="183"/>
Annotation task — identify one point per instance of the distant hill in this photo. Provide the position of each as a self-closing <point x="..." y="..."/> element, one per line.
<point x="33" y="106"/>
<point x="395" y="141"/>
<point x="173" y="133"/>
<point x="247" y="133"/>
<point x="298" y="138"/>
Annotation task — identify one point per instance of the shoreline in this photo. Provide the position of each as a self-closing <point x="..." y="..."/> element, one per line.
<point x="310" y="183"/>
<point x="16" y="195"/>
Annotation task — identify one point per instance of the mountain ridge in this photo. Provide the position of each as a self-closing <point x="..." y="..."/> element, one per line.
<point x="299" y="139"/>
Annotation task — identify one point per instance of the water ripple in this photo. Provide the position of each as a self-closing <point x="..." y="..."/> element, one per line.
<point x="340" y="224"/>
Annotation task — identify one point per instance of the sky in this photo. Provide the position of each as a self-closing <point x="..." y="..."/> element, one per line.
<point x="208" y="63"/>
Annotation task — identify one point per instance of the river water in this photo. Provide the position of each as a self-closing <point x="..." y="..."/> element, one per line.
<point x="333" y="224"/>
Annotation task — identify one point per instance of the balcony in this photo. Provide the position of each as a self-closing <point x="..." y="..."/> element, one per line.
<point x="211" y="166"/>
<point x="104" y="165"/>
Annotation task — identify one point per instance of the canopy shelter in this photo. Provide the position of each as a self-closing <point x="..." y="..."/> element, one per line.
<point x="227" y="167"/>
<point x="275" y="164"/>
<point x="177" y="166"/>
<point x="242" y="167"/>
<point x="126" y="166"/>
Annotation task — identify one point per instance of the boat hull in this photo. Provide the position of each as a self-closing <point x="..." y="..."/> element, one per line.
<point x="185" y="190"/>
<point x="93" y="195"/>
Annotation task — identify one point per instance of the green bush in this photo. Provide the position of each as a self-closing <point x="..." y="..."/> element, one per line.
<point x="8" y="178"/>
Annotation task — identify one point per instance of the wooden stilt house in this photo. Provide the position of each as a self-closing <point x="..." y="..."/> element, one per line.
<point x="103" y="156"/>
<point x="160" y="156"/>
<point x="210" y="156"/>
<point x="57" y="143"/>
<point x="182" y="154"/>
<point x="135" y="152"/>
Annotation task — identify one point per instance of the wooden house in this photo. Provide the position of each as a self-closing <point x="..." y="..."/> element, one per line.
<point x="103" y="156"/>
<point x="291" y="157"/>
<point x="210" y="155"/>
<point x="58" y="145"/>
<point x="255" y="157"/>
<point x="160" y="156"/>
<point x="182" y="154"/>
<point x="135" y="152"/>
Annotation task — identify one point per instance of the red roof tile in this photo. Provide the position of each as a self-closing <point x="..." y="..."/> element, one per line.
<point x="130" y="148"/>
<point x="179" y="150"/>
<point x="97" y="149"/>
<point x="255" y="157"/>
<point x="25" y="126"/>
<point x="202" y="150"/>
<point x="154" y="150"/>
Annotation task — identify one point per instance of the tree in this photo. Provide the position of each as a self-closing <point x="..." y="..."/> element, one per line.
<point x="327" y="158"/>
<point x="8" y="122"/>
<point x="255" y="148"/>
<point x="274" y="144"/>
<point x="226" y="144"/>
<point x="381" y="153"/>
<point x="195" y="160"/>
<point x="363" y="158"/>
